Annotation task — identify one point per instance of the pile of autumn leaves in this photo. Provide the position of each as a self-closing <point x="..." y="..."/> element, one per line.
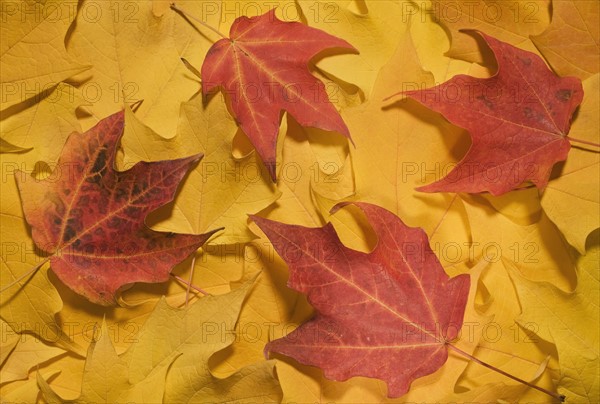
<point x="514" y="271"/>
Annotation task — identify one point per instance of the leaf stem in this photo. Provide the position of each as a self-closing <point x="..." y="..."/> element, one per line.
<point x="25" y="275"/>
<point x="389" y="97"/>
<point x="191" y="68"/>
<point x="196" y="288"/>
<point x="575" y="140"/>
<point x="199" y="21"/>
<point x="187" y="291"/>
<point x="557" y="396"/>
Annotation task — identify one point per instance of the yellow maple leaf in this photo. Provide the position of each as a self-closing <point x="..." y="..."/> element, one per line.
<point x="26" y="391"/>
<point x="570" y="43"/>
<point x="309" y="164"/>
<point x="27" y="352"/>
<point x="136" y="56"/>
<point x="505" y="344"/>
<point x="513" y="22"/>
<point x="373" y="28"/>
<point x="29" y="30"/>
<point x="537" y="250"/>
<point x="28" y="302"/>
<point x="105" y="378"/>
<point x="270" y="311"/>
<point x="572" y="198"/>
<point x="44" y="126"/>
<point x="564" y="318"/>
<point x="161" y="362"/>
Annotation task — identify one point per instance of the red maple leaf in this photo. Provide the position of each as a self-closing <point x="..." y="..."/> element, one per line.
<point x="387" y="314"/>
<point x="90" y="217"/>
<point x="518" y="119"/>
<point x="263" y="69"/>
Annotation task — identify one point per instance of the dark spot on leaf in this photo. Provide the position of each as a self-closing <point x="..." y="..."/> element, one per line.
<point x="95" y="179"/>
<point x="99" y="168"/>
<point x="485" y="101"/>
<point x="136" y="190"/>
<point x="525" y="61"/>
<point x="69" y="233"/>
<point x="563" y="95"/>
<point x="100" y="163"/>
<point x="528" y="112"/>
<point x="57" y="221"/>
<point x="114" y="222"/>
<point x="132" y="212"/>
<point x="121" y="194"/>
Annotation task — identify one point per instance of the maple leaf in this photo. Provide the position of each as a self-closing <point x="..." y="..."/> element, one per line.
<point x="539" y="253"/>
<point x="28" y="391"/>
<point x="24" y="305"/>
<point x="565" y="319"/>
<point x="19" y="355"/>
<point x="172" y="364"/>
<point x="301" y="382"/>
<point x="571" y="42"/>
<point x="518" y="119"/>
<point x="263" y="67"/>
<point x="54" y="116"/>
<point x="136" y="55"/>
<point x="572" y="200"/>
<point x="507" y="350"/>
<point x="387" y="314"/>
<point x="513" y="22"/>
<point x="32" y="49"/>
<point x="91" y="217"/>
<point x="373" y="29"/>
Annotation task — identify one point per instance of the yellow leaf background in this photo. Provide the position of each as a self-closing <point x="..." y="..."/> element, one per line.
<point x="532" y="256"/>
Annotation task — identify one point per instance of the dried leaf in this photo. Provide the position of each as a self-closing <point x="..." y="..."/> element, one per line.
<point x="519" y="120"/>
<point x="570" y="43"/>
<point x="572" y="199"/>
<point x="387" y="314"/>
<point x="263" y="66"/>
<point x="91" y="217"/>
<point x="564" y="318"/>
<point x="513" y="22"/>
<point x="28" y="31"/>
